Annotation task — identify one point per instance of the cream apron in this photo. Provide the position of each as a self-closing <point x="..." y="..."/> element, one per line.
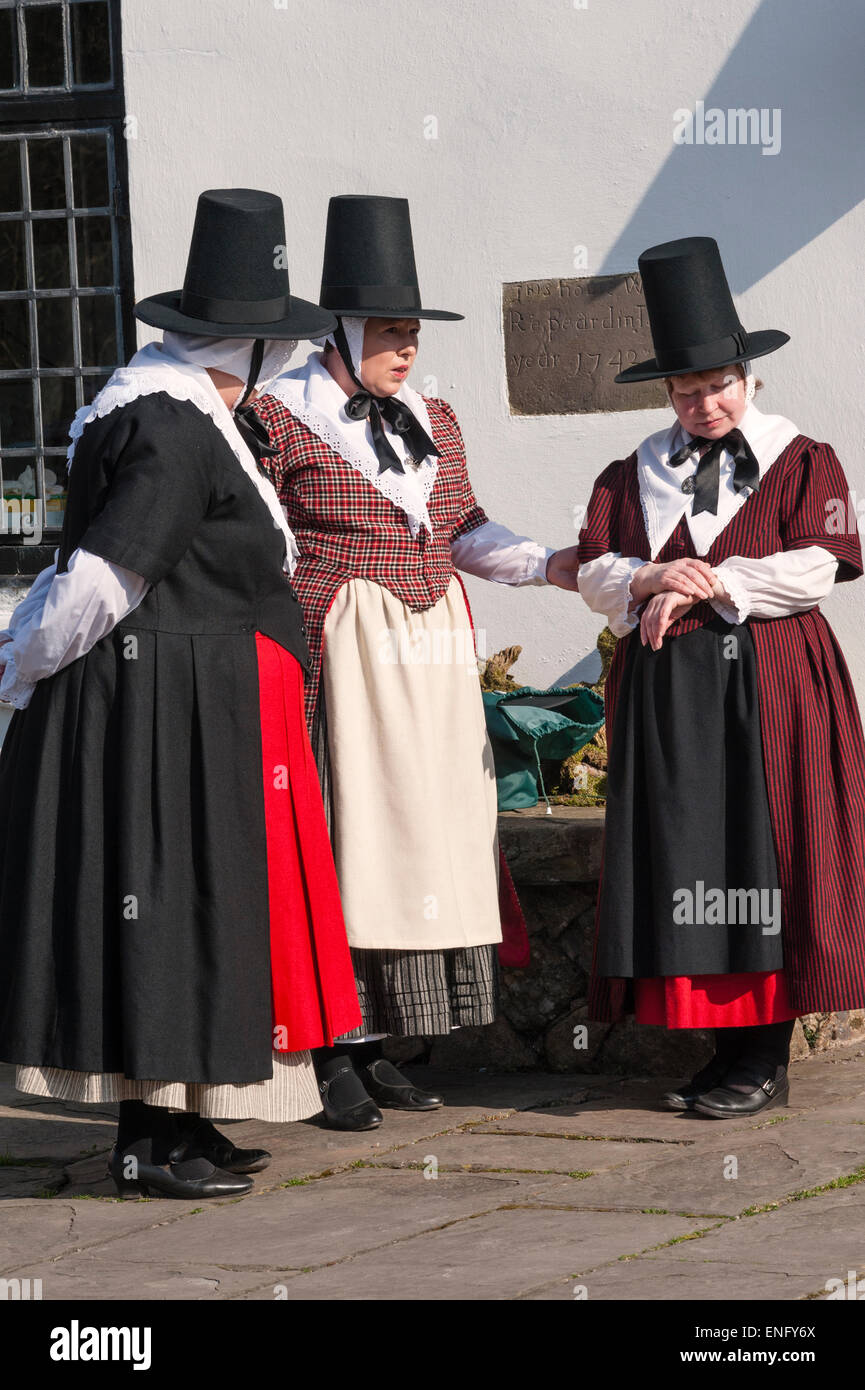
<point x="412" y="773"/>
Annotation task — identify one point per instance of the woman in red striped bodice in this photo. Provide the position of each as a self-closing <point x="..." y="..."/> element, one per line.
<point x="732" y="896"/>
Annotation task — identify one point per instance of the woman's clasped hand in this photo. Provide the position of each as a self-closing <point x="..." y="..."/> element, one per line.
<point x="668" y="591"/>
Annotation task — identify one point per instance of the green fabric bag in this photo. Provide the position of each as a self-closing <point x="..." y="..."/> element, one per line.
<point x="526" y="725"/>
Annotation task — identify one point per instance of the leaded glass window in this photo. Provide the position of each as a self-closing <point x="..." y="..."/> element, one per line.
<point x="65" y="281"/>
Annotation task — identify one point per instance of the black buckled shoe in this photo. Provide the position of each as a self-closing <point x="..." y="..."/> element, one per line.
<point x="188" y="1179"/>
<point x="362" y="1114"/>
<point x="205" y="1141"/>
<point x="710" y="1076"/>
<point x="724" y="1103"/>
<point x="394" y="1091"/>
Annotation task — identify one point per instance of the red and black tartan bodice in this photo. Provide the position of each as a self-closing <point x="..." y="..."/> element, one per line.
<point x="346" y="529"/>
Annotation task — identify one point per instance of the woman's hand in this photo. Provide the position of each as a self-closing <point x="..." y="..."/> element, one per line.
<point x="562" y="568"/>
<point x="693" y="579"/>
<point x="659" y="613"/>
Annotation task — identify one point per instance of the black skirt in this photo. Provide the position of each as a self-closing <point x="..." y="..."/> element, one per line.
<point x="134" y="922"/>
<point x="690" y="883"/>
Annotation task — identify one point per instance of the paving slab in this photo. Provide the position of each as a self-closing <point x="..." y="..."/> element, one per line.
<point x="763" y="1167"/>
<point x="628" y="1108"/>
<point x="270" y="1235"/>
<point x="625" y="1113"/>
<point x="299" y="1151"/>
<point x="98" y="1276"/>
<point x="505" y="1090"/>
<point x="52" y="1137"/>
<point x="597" y="1122"/>
<point x="310" y="1148"/>
<point x="39" y="1180"/>
<point x="474" y="1152"/>
<point x="819" y="1238"/>
<point x="498" y="1256"/>
<point x="302" y="1150"/>
<point x="840" y="1112"/>
<point x="664" y="1279"/>
<point x="48" y="1229"/>
<point x="828" y="1077"/>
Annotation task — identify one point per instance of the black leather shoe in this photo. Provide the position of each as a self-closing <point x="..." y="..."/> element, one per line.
<point x="184" y="1178"/>
<point x="724" y="1103"/>
<point x="394" y="1091"/>
<point x="710" y="1076"/>
<point x="364" y="1114"/>
<point x="205" y="1141"/>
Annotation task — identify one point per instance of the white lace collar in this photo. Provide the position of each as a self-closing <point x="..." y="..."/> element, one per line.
<point x="154" y="369"/>
<point x="317" y="400"/>
<point x="664" y="503"/>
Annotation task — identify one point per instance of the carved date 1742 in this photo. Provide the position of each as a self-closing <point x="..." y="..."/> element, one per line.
<point x="565" y="340"/>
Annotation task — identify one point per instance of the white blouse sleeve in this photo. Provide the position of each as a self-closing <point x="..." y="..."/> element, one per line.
<point x="774" y="586"/>
<point x="68" y="616"/>
<point x="605" y="584"/>
<point x="493" y="552"/>
<point x="30" y="604"/>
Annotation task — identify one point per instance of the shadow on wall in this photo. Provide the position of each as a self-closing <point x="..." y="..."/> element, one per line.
<point x="587" y="669"/>
<point x="799" y="65"/>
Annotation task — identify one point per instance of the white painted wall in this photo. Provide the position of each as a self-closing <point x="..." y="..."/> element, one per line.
<point x="555" y="128"/>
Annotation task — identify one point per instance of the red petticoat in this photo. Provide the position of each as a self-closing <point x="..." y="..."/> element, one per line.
<point x="713" y="1001"/>
<point x="314" y="994"/>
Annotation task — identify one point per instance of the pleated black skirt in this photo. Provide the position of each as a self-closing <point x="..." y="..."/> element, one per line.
<point x="134" y="913"/>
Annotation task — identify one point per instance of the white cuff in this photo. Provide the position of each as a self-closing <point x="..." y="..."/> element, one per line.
<point x="14" y="690"/>
<point x="605" y="584"/>
<point x="536" y="566"/>
<point x="736" y="607"/>
<point x="32" y="602"/>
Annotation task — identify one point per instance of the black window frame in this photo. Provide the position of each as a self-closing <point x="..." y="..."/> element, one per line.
<point x="60" y="112"/>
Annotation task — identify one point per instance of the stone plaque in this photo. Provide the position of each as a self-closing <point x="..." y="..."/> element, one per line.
<point x="565" y="340"/>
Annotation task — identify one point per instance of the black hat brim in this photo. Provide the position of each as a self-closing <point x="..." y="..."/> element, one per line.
<point x="760" y="344"/>
<point x="357" y="313"/>
<point x="306" y="320"/>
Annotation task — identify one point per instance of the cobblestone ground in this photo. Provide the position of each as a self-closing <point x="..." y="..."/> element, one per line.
<point x="524" y="1186"/>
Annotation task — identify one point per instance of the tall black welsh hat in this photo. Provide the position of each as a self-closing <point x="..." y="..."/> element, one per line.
<point x="695" y="327"/>
<point x="236" y="283"/>
<point x="369" y="268"/>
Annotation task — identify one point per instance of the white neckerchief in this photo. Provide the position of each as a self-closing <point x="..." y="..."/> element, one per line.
<point x="317" y="400"/>
<point x="664" y="503"/>
<point x="153" y="369"/>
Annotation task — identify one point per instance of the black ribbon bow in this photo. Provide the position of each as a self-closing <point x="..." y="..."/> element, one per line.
<point x="254" y="432"/>
<point x="363" y="404"/>
<point x="706" y="481"/>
